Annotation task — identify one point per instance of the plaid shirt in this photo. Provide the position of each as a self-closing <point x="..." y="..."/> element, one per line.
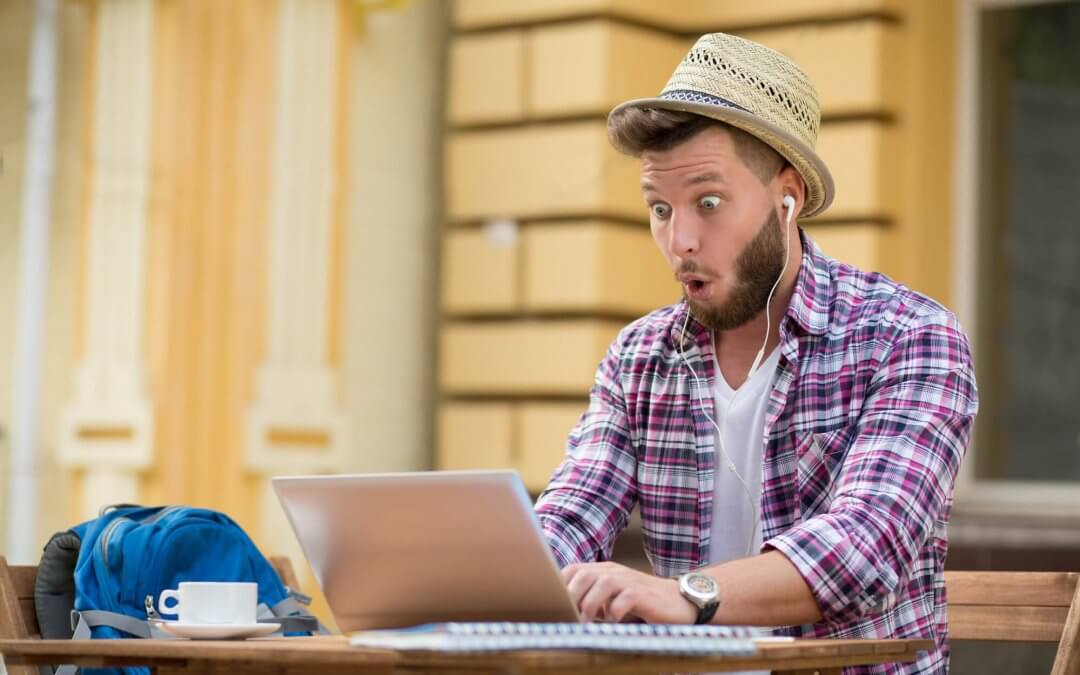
<point x="864" y="433"/>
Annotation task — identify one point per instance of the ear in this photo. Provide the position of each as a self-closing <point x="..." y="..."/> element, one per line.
<point x="789" y="182"/>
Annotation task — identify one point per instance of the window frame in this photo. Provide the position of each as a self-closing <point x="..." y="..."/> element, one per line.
<point x="973" y="494"/>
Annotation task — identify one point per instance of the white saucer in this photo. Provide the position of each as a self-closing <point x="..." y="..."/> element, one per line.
<point x="216" y="631"/>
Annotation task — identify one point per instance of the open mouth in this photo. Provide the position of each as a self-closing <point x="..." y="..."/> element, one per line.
<point x="696" y="289"/>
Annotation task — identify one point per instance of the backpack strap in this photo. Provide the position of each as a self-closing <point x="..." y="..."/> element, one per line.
<point x="293" y="617"/>
<point x="54" y="585"/>
<point x="82" y="622"/>
<point x="302" y="598"/>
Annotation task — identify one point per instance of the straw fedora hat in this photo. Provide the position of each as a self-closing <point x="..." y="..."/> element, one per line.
<point x="754" y="88"/>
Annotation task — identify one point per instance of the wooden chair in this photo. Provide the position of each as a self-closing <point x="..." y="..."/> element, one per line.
<point x="18" y="620"/>
<point x="1018" y="607"/>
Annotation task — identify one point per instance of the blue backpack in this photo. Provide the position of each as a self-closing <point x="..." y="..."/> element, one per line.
<point x="130" y="554"/>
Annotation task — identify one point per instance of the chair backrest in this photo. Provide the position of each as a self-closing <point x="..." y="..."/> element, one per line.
<point x="17" y="618"/>
<point x="1018" y="607"/>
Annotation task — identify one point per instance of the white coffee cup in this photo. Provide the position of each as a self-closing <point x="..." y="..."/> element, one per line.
<point x="211" y="602"/>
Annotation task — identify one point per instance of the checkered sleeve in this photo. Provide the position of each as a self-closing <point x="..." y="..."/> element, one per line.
<point x="896" y="479"/>
<point x="590" y="496"/>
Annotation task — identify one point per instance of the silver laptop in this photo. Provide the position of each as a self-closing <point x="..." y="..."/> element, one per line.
<point x="395" y="550"/>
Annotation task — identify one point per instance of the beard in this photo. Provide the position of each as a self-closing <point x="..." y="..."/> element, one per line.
<point x="756" y="270"/>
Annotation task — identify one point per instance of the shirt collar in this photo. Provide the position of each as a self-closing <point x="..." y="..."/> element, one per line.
<point x="808" y="308"/>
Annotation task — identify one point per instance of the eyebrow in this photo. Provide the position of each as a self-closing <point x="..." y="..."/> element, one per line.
<point x="693" y="180"/>
<point x="705" y="178"/>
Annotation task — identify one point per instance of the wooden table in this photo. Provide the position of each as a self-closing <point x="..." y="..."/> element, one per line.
<point x="333" y="654"/>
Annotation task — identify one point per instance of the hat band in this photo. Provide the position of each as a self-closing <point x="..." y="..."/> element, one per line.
<point x="699" y="97"/>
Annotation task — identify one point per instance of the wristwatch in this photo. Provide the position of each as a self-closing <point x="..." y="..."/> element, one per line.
<point x="703" y="591"/>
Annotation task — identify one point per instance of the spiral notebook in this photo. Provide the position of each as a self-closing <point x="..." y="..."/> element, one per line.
<point x="610" y="637"/>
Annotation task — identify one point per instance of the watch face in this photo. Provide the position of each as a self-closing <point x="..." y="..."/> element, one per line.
<point x="701" y="583"/>
<point x="700" y="589"/>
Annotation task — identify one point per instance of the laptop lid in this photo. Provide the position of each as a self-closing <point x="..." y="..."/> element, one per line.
<point x="401" y="549"/>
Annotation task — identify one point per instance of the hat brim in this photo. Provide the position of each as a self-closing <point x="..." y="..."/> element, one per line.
<point x="819" y="182"/>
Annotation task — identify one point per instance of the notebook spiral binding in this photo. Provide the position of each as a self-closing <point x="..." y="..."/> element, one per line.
<point x="617" y="637"/>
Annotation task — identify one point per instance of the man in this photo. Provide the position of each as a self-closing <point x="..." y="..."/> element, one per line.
<point x="792" y="430"/>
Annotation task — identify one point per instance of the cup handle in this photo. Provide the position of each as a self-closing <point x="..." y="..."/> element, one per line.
<point x="163" y="607"/>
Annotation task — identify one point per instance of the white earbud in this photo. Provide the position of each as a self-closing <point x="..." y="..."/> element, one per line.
<point x="789" y="204"/>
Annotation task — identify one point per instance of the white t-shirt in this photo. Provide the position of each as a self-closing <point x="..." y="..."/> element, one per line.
<point x="744" y="441"/>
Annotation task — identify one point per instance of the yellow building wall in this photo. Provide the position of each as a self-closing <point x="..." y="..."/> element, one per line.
<point x="207" y="248"/>
<point x="212" y="180"/>
<point x="391" y="249"/>
<point x="62" y="294"/>
<point x="546" y="251"/>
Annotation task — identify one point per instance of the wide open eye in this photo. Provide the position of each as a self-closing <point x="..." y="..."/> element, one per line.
<point x="709" y="202"/>
<point x="661" y="210"/>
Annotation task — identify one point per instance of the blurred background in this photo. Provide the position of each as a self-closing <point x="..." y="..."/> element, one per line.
<point x="254" y="237"/>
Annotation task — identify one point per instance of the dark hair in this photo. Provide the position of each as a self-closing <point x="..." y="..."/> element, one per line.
<point x="634" y="131"/>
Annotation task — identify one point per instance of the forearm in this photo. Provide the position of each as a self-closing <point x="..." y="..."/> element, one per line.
<point x="764" y="590"/>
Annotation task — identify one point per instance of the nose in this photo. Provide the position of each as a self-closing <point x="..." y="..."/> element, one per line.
<point x="684" y="234"/>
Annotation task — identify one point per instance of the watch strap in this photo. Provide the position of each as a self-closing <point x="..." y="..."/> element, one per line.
<point x="706" y="613"/>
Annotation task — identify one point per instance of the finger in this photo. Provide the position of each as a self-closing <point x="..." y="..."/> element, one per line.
<point x="580" y="584"/>
<point x="595" y="601"/>
<point x="622" y="607"/>
<point x="570" y="571"/>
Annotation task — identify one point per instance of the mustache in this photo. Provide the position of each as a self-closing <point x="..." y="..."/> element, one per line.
<point x="693" y="267"/>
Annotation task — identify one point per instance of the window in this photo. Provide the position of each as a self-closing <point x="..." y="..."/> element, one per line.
<point x="1019" y="241"/>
